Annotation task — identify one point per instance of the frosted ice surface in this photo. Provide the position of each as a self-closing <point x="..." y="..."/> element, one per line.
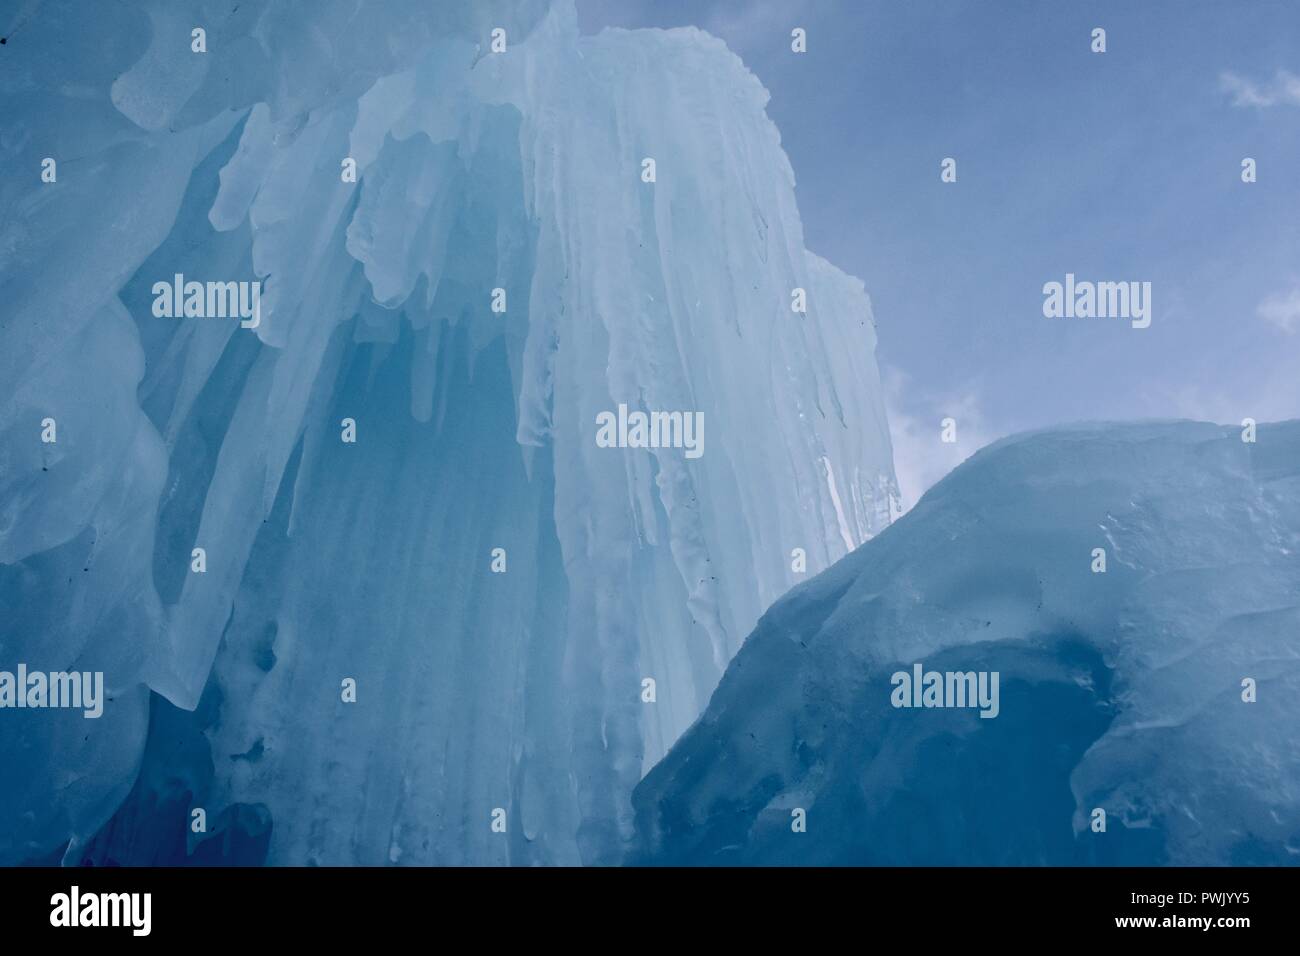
<point x="1120" y="690"/>
<point x="325" y="560"/>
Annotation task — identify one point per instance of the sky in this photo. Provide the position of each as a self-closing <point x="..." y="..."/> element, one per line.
<point x="1115" y="166"/>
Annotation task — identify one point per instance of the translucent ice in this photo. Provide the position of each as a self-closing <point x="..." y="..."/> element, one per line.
<point x="327" y="561"/>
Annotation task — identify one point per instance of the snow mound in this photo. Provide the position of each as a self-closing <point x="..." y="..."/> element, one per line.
<point x="1125" y="691"/>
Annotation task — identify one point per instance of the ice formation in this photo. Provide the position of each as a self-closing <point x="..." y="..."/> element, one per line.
<point x="494" y="149"/>
<point x="1164" y="690"/>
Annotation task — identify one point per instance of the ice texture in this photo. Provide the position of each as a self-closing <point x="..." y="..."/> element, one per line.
<point x="1120" y="690"/>
<point x="475" y="430"/>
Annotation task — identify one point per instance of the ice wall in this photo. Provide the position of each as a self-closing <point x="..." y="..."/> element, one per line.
<point x="1121" y="690"/>
<point x="519" y="170"/>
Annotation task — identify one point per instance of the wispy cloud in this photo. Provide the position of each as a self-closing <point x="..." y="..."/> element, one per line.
<point x="921" y="457"/>
<point x="1282" y="309"/>
<point x="1272" y="395"/>
<point x="1283" y="89"/>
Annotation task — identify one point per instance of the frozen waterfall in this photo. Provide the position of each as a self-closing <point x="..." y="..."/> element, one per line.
<point x="472" y="233"/>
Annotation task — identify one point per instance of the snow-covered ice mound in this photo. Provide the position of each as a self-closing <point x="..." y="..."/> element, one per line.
<point x="1164" y="691"/>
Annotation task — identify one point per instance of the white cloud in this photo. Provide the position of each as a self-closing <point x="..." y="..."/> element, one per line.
<point x="1283" y="88"/>
<point x="921" y="458"/>
<point x="1282" y="309"/>
<point x="1272" y="395"/>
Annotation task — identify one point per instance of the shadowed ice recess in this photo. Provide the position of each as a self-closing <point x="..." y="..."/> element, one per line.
<point x="475" y="430"/>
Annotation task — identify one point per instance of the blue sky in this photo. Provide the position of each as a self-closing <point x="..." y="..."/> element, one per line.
<point x="1117" y="166"/>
